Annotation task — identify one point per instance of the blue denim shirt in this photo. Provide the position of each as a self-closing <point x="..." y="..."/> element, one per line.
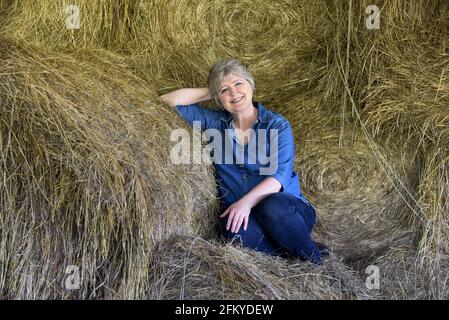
<point x="239" y="176"/>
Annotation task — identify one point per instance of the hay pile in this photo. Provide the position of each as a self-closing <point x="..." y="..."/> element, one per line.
<point x="192" y="268"/>
<point x="52" y="24"/>
<point x="176" y="42"/>
<point x="384" y="88"/>
<point x="362" y="212"/>
<point x="363" y="191"/>
<point x="86" y="174"/>
<point x="403" y="97"/>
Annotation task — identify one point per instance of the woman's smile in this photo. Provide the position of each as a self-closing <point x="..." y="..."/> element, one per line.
<point x="237" y="100"/>
<point x="235" y="93"/>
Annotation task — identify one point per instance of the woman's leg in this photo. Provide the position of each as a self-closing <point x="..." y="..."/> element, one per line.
<point x="289" y="222"/>
<point x="254" y="237"/>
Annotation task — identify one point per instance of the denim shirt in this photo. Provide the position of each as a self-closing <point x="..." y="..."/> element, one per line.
<point x="238" y="168"/>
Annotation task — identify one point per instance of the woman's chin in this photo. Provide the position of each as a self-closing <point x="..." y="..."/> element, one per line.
<point x="242" y="105"/>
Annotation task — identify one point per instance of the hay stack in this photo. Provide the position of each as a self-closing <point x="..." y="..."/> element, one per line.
<point x="403" y="96"/>
<point x="86" y="175"/>
<point x="77" y="177"/>
<point x="176" y="42"/>
<point x="188" y="268"/>
<point x="362" y="190"/>
<point x="103" y="24"/>
<point x="361" y="200"/>
<point x="392" y="85"/>
<point x="433" y="247"/>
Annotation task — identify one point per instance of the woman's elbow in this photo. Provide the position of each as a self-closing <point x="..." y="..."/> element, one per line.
<point x="165" y="98"/>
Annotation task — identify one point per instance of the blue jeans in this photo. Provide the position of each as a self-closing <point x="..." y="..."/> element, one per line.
<point x="279" y="225"/>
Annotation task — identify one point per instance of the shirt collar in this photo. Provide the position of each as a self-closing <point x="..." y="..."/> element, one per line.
<point x="263" y="115"/>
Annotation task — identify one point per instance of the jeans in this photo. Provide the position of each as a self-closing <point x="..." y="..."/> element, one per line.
<point x="279" y="225"/>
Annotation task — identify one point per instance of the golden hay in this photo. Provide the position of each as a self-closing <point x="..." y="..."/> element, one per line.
<point x="434" y="243"/>
<point x="363" y="192"/>
<point x="192" y="268"/>
<point x="402" y="276"/>
<point x="50" y="23"/>
<point x="86" y="174"/>
<point x="362" y="208"/>
<point x="391" y="84"/>
<point x="399" y="275"/>
<point x="403" y="93"/>
<point x="176" y="42"/>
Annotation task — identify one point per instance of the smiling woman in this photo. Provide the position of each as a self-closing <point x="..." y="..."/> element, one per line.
<point x="264" y="209"/>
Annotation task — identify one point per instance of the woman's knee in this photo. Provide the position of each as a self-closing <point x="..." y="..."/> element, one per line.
<point x="274" y="206"/>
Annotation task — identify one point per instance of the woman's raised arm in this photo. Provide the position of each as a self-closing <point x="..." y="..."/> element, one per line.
<point x="186" y="96"/>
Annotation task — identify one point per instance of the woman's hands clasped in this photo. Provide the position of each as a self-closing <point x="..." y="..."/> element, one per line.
<point x="237" y="213"/>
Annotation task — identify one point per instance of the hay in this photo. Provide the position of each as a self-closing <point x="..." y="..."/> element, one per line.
<point x="433" y="248"/>
<point x="362" y="191"/>
<point x="399" y="275"/>
<point x="403" y="278"/>
<point x="361" y="208"/>
<point x="191" y="268"/>
<point x="103" y="23"/>
<point x="391" y="85"/>
<point x="176" y="42"/>
<point x="403" y="95"/>
<point x="86" y="174"/>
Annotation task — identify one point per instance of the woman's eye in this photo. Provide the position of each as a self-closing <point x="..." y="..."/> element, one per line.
<point x="238" y="83"/>
<point x="224" y="90"/>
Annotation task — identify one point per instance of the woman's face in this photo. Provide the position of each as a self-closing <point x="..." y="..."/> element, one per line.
<point x="235" y="94"/>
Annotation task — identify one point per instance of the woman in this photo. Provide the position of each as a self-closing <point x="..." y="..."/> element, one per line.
<point x="266" y="212"/>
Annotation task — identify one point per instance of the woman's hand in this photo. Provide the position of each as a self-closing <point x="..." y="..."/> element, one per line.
<point x="238" y="213"/>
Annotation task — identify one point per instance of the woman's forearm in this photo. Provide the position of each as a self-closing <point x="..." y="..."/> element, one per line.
<point x="186" y="96"/>
<point x="268" y="186"/>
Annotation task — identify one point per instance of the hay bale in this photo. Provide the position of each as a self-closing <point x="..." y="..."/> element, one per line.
<point x="408" y="96"/>
<point x="362" y="190"/>
<point x="102" y="23"/>
<point x="403" y="95"/>
<point x="86" y="175"/>
<point x="176" y="42"/>
<point x="433" y="248"/>
<point x="361" y="200"/>
<point x="192" y="268"/>
<point x="75" y="177"/>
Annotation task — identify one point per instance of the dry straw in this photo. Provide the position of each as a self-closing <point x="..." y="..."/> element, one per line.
<point x="86" y="175"/>
<point x="176" y="42"/>
<point x="363" y="192"/>
<point x="403" y="96"/>
<point x="54" y="23"/>
<point x="402" y="276"/>
<point x="188" y="268"/>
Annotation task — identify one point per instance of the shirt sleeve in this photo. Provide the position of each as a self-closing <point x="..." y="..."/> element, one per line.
<point x="284" y="155"/>
<point x="194" y="112"/>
